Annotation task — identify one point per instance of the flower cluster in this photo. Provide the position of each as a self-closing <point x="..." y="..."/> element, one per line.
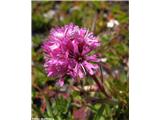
<point x="67" y="51"/>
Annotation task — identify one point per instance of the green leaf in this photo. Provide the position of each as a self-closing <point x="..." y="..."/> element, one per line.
<point x="49" y="111"/>
<point x="100" y="112"/>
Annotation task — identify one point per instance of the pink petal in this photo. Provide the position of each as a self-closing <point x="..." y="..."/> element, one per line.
<point x="60" y="82"/>
<point x="75" y="45"/>
<point x="80" y="72"/>
<point x="92" y="58"/>
<point x="91" y="68"/>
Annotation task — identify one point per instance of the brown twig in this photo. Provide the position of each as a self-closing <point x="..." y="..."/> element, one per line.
<point x="101" y="73"/>
<point x="101" y="87"/>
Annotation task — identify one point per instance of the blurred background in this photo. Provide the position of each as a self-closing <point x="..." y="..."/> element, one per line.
<point x="109" y="21"/>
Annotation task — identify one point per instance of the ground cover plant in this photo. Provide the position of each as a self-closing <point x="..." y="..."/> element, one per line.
<point x="80" y="60"/>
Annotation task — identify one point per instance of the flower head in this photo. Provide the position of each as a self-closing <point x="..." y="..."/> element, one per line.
<point x="66" y="52"/>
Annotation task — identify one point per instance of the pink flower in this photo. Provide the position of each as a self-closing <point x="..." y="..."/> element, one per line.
<point x="67" y="52"/>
